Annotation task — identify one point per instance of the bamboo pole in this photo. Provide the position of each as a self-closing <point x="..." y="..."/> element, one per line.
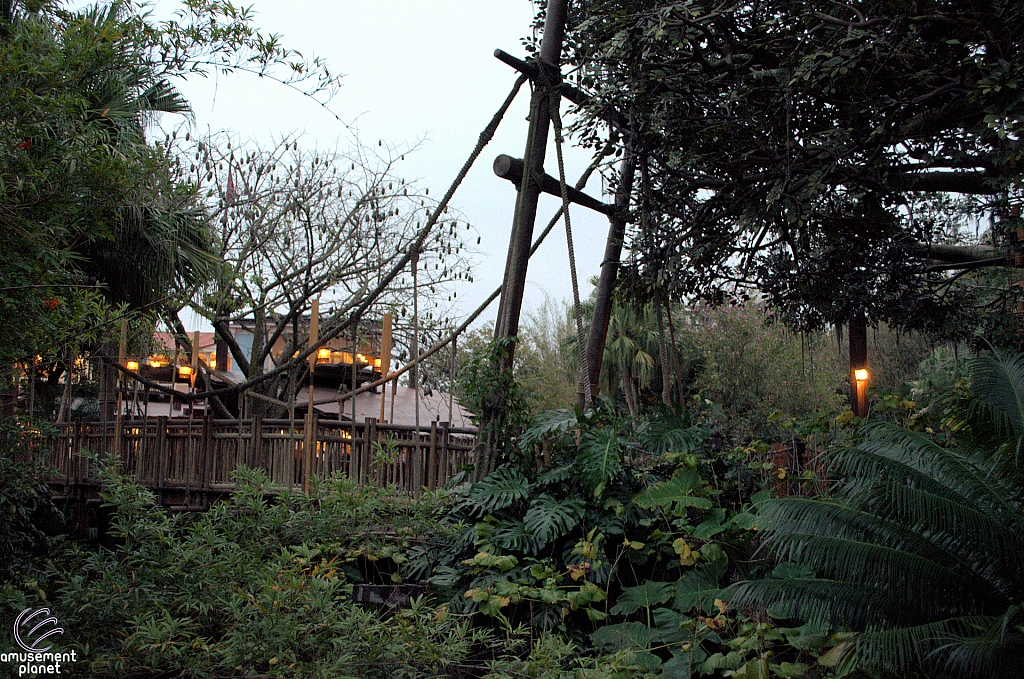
<point x="314" y="331"/>
<point x="385" y="361"/>
<point x="121" y="353"/>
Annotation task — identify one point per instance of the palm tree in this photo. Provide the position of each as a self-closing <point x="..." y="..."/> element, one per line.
<point x="156" y="237"/>
<point x="921" y="548"/>
<point x="630" y="355"/>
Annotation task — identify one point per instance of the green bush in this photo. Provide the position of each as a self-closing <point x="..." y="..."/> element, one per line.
<point x="259" y="585"/>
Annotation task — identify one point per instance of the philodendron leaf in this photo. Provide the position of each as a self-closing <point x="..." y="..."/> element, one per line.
<point x="548" y="518"/>
<point x="698" y="588"/>
<point x="647" y="595"/>
<point x="675" y="495"/>
<point x="625" y="635"/>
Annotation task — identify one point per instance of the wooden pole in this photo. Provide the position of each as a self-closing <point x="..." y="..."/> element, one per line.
<point x="121" y="354"/>
<point x="385" y="361"/>
<point x="858" y="341"/>
<point x="417" y="460"/>
<point x="195" y="362"/>
<point x="307" y="448"/>
<point x="510" y="306"/>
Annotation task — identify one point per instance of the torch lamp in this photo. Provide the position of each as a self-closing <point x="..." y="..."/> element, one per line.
<point x="861" y="377"/>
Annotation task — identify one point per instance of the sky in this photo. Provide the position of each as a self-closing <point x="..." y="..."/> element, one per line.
<point x="416" y="72"/>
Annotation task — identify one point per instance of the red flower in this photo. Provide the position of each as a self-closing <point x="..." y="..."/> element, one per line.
<point x="52" y="303"/>
<point x="27" y="144"/>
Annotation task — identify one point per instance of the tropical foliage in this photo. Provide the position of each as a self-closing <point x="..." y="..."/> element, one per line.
<point x="260" y="585"/>
<point x="919" y="546"/>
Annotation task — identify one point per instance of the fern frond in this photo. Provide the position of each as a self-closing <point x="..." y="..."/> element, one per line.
<point x="928" y="588"/>
<point x="980" y="541"/>
<point x="890" y="451"/>
<point x="971" y="646"/>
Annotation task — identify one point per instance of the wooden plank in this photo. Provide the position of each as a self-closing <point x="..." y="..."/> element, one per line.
<point x="161" y="457"/>
<point x="432" y="457"/>
<point x="417" y="465"/>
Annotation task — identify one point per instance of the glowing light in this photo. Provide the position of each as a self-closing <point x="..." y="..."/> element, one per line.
<point x="213" y="361"/>
<point x="861" y="374"/>
<point x="154" y="363"/>
<point x="132" y="365"/>
<point x="323" y="355"/>
<point x="376" y="363"/>
<point x="184" y="370"/>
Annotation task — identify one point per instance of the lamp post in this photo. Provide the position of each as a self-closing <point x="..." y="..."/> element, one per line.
<point x="860" y="380"/>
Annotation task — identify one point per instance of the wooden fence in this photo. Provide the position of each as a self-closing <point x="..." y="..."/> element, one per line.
<point x="188" y="461"/>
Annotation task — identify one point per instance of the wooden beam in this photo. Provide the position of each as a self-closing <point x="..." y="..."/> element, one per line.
<point x="532" y="71"/>
<point x="511" y="169"/>
<point x="385" y="362"/>
<point x="961" y="254"/>
<point x="514" y="282"/>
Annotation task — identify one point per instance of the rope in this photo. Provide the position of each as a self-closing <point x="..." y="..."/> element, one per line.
<point x="469" y="319"/>
<point x="358" y="306"/>
<point x="581" y="338"/>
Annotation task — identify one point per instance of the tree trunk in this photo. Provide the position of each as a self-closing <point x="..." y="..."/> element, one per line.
<point x="598" y="334"/>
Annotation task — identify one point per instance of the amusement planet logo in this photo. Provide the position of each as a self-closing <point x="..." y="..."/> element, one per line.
<point x="33" y="629"/>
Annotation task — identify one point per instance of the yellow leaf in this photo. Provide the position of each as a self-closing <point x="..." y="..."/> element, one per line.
<point x="272" y="661"/>
<point x="721" y="606"/>
<point x="687" y="557"/>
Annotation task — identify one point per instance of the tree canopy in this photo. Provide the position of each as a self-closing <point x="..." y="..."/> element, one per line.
<point x="92" y="210"/>
<point x="808" y="150"/>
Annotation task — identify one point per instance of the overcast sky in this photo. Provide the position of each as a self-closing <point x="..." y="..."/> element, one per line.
<point x="415" y="71"/>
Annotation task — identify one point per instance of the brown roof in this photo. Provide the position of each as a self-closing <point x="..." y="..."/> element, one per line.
<point x="164" y="341"/>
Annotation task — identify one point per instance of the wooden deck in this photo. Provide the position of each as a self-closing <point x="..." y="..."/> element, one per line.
<point x="189" y="463"/>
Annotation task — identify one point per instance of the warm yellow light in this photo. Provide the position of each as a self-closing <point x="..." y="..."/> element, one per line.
<point x="376" y="363"/>
<point x="184" y="370"/>
<point x="213" y="362"/>
<point x="132" y="365"/>
<point x="323" y="354"/>
<point x="154" y="363"/>
<point x="861" y="374"/>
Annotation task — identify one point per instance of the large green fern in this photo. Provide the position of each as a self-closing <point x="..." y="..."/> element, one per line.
<point x="922" y="547"/>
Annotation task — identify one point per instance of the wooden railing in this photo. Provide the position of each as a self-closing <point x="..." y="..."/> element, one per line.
<point x="190" y="460"/>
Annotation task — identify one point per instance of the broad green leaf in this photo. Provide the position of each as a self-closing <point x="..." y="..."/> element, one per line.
<point x="675" y="495"/>
<point x="548" y="518"/>
<point x="625" y="635"/>
<point x="647" y="595"/>
<point x="698" y="588"/>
